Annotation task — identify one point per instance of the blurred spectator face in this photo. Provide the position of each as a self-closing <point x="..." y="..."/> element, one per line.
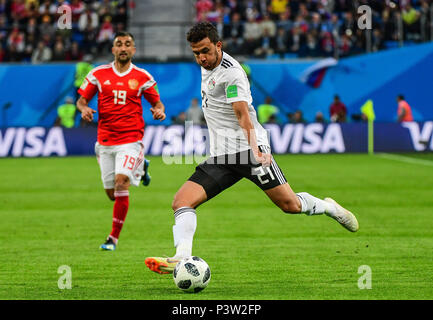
<point x="123" y="49"/>
<point x="236" y="17"/>
<point x="206" y="53"/>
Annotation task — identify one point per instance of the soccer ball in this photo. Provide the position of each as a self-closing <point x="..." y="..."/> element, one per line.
<point x="191" y="274"/>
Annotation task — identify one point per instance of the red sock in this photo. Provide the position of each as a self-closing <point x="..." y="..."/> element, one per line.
<point x="120" y="209"/>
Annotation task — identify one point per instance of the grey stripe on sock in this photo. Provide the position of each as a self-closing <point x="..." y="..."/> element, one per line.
<point x="182" y="210"/>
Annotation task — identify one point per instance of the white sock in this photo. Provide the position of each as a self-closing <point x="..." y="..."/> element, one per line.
<point x="183" y="231"/>
<point x="313" y="206"/>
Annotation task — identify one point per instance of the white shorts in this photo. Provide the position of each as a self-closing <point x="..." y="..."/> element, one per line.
<point x="126" y="159"/>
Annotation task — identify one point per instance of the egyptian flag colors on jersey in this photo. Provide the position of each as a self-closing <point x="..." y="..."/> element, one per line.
<point x="119" y="101"/>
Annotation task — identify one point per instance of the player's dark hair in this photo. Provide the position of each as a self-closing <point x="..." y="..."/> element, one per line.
<point x="202" y="30"/>
<point x="400" y="97"/>
<point x="124" y="34"/>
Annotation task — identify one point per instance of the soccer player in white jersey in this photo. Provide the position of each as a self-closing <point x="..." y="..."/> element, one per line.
<point x="239" y="149"/>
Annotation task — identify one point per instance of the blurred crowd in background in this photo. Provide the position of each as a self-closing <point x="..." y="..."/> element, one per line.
<point x="29" y="29"/>
<point x="315" y="28"/>
<point x="255" y="28"/>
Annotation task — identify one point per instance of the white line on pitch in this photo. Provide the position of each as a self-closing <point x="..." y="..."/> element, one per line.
<point x="401" y="158"/>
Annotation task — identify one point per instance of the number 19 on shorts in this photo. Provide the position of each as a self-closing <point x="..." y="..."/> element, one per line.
<point x="129" y="162"/>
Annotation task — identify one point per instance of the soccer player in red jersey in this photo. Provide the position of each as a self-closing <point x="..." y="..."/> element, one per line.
<point x="119" y="149"/>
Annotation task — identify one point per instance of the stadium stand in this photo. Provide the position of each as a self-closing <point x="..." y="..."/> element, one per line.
<point x="315" y="28"/>
<point x="252" y="28"/>
<point x="29" y="32"/>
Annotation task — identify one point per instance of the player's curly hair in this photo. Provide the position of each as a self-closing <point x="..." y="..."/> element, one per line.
<point x="201" y="30"/>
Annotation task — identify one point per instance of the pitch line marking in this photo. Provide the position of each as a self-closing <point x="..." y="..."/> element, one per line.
<point x="405" y="159"/>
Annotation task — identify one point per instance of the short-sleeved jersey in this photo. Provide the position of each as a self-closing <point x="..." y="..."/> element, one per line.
<point x="220" y="87"/>
<point x="120" y="111"/>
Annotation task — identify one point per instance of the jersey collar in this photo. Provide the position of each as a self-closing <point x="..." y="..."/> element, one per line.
<point x="123" y="73"/>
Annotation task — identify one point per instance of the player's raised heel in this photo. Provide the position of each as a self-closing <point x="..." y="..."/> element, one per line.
<point x="161" y="265"/>
<point x="346" y="218"/>
<point x="145" y="178"/>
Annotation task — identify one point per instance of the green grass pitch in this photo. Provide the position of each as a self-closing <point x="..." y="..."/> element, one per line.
<point x="54" y="212"/>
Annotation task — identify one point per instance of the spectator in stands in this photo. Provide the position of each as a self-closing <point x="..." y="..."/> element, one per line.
<point x="281" y="42"/>
<point x="202" y="8"/>
<point x="327" y="45"/>
<point x="344" y="45"/>
<point x="46" y="28"/>
<point x="42" y="53"/>
<point x="18" y="11"/>
<point x="252" y="34"/>
<point x="410" y="18"/>
<point x="3" y="28"/>
<point x="88" y="20"/>
<point x="195" y="113"/>
<point x="296" y="40"/>
<point x="284" y="20"/>
<point x="105" y="36"/>
<point x="233" y="33"/>
<point x="268" y="26"/>
<point x="277" y="7"/>
<point x="338" y="110"/>
<point x="3" y="54"/>
<point x="77" y="8"/>
<point x="47" y="8"/>
<point x="266" y="46"/>
<point x="404" y="111"/>
<point x="120" y="17"/>
<point x="377" y="40"/>
<point x="74" y="54"/>
<point x="4" y="7"/>
<point x="16" y="41"/>
<point x="59" y="51"/>
<point x="311" y="48"/>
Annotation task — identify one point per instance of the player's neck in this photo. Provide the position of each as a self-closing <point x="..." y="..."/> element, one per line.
<point x="219" y="59"/>
<point x="122" y="67"/>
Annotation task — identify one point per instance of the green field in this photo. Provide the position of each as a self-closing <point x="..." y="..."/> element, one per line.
<point x="54" y="212"/>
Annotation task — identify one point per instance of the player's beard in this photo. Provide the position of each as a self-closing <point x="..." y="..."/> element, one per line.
<point x="214" y="64"/>
<point x="123" y="59"/>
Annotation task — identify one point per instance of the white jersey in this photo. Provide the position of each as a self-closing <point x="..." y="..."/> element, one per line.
<point x="220" y="87"/>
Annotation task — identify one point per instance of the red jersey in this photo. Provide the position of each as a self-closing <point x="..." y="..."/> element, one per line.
<point x="119" y="101"/>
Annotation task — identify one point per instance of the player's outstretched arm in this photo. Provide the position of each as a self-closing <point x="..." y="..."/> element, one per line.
<point x="86" y="111"/>
<point x="241" y="111"/>
<point x="158" y="110"/>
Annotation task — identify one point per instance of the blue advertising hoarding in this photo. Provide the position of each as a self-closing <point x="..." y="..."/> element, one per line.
<point x="193" y="140"/>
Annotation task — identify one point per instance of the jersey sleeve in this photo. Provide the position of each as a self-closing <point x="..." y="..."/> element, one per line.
<point x="236" y="88"/>
<point x="152" y="94"/>
<point x="149" y="90"/>
<point x="89" y="87"/>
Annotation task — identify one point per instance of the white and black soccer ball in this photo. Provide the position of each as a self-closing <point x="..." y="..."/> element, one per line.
<point x="191" y="274"/>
